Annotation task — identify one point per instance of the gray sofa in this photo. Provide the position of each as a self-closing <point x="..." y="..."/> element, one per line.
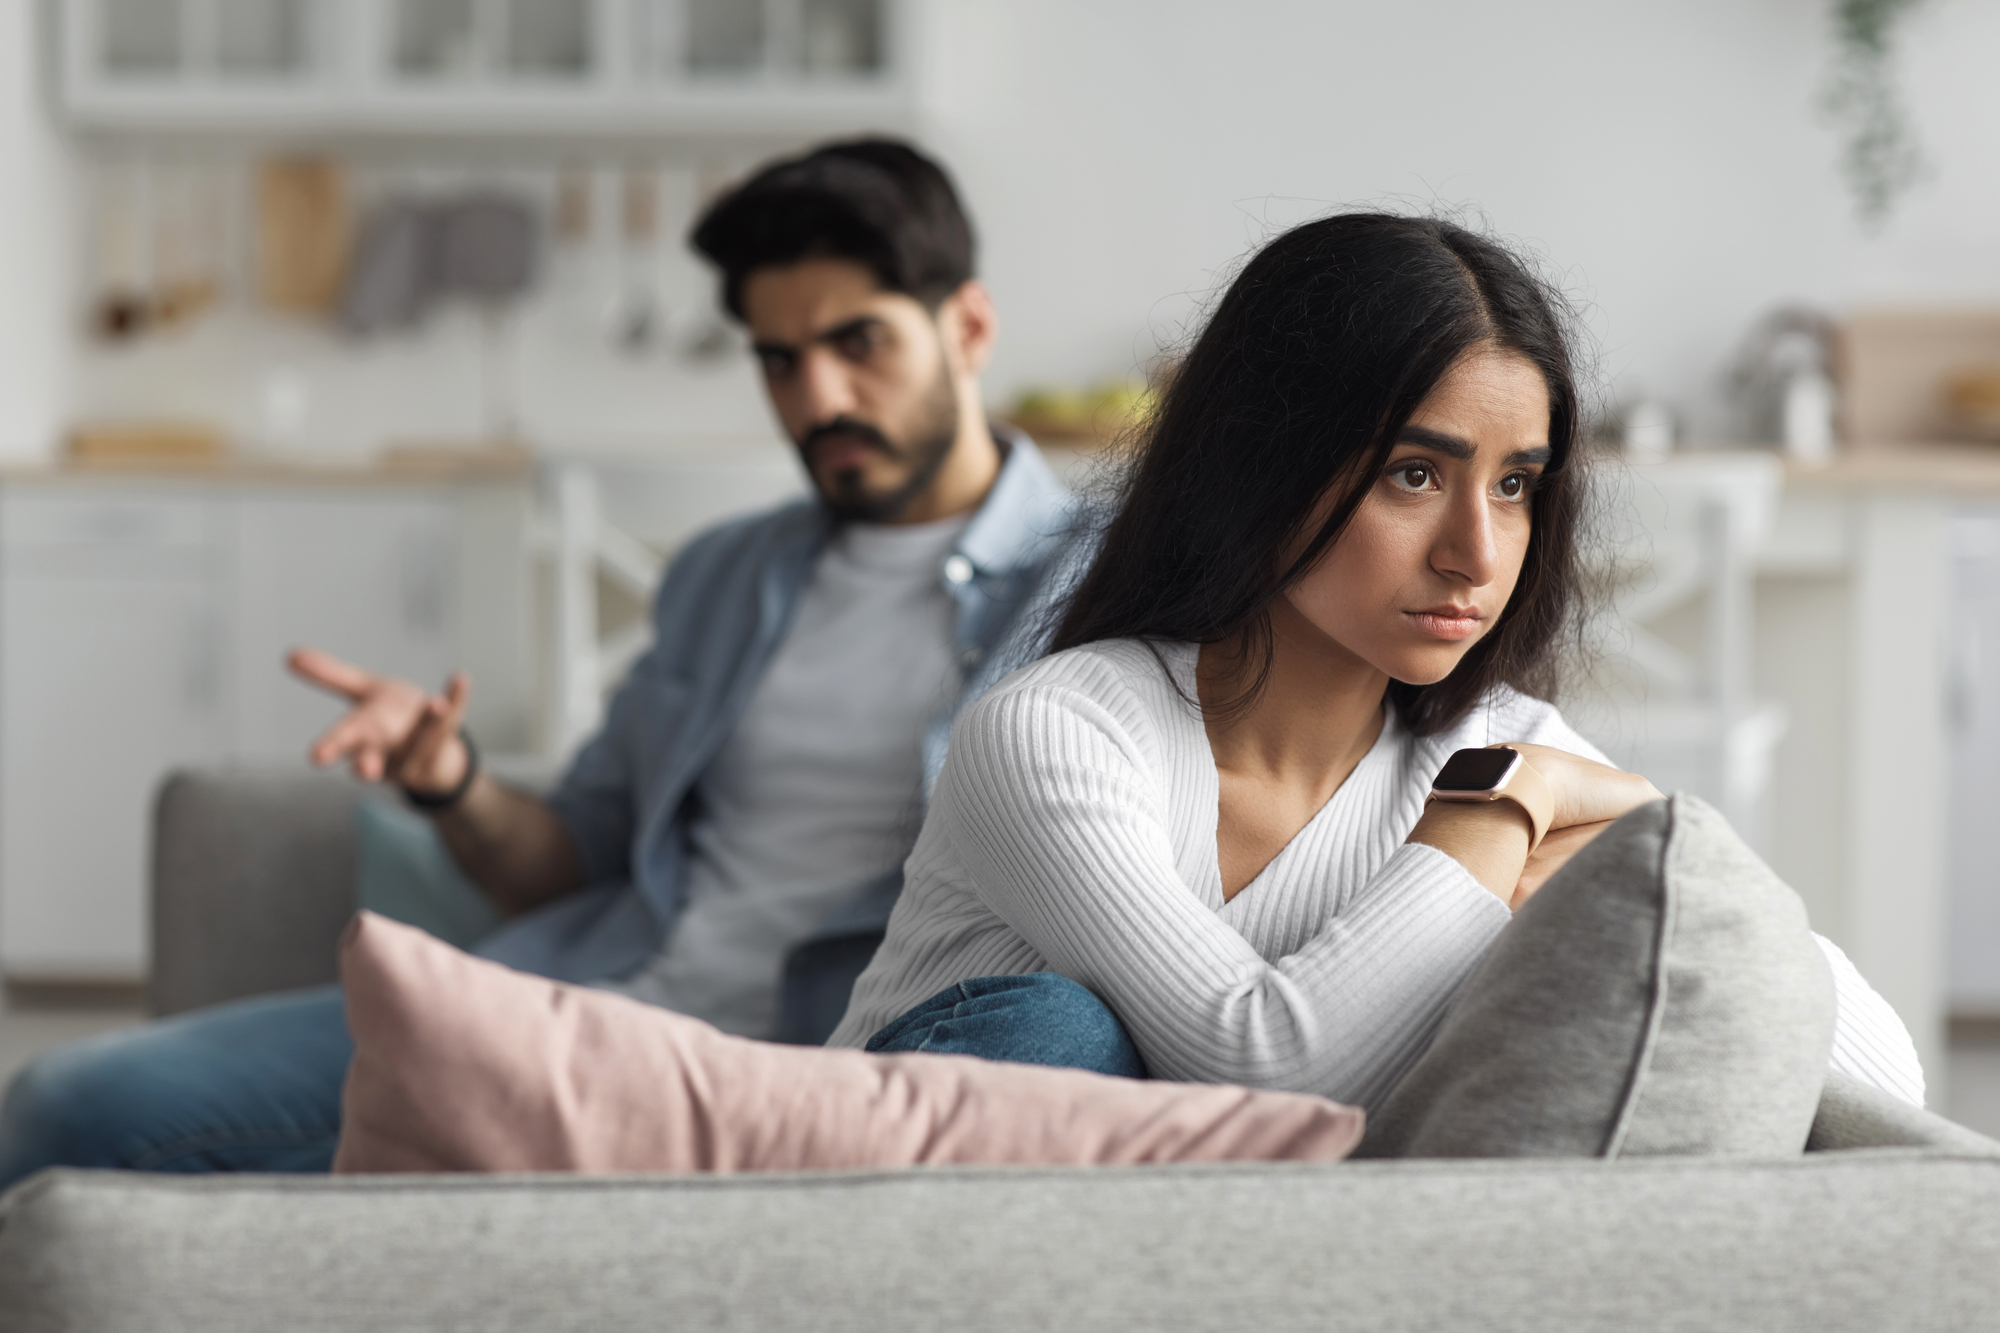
<point x="253" y="878"/>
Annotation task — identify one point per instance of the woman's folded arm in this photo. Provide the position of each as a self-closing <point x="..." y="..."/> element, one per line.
<point x="1061" y="829"/>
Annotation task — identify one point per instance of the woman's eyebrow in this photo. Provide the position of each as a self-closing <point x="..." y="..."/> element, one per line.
<point x="1449" y="445"/>
<point x="1453" y="447"/>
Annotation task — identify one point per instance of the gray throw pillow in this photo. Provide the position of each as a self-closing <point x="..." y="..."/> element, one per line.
<point x="1661" y="994"/>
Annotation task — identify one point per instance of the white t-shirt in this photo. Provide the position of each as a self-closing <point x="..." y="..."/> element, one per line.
<point x="818" y="790"/>
<point x="1073" y="830"/>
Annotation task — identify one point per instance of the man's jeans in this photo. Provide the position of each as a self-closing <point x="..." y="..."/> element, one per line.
<point x="249" y="1086"/>
<point x="255" y="1085"/>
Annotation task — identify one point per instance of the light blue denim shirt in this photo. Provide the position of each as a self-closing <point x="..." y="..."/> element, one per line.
<point x="721" y="611"/>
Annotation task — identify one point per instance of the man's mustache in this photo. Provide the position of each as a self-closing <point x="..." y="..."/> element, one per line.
<point x="846" y="428"/>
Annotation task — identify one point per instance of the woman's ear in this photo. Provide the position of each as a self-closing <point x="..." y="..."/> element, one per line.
<point x="967" y="323"/>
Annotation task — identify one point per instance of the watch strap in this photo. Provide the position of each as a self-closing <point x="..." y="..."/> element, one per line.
<point x="433" y="803"/>
<point x="1527" y="788"/>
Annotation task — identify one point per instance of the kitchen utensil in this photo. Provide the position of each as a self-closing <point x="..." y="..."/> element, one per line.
<point x="486" y="247"/>
<point x="637" y="319"/>
<point x="303" y="234"/>
<point x="1974" y="395"/>
<point x="395" y="269"/>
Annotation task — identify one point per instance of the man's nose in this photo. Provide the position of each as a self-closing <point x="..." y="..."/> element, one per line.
<point x="826" y="390"/>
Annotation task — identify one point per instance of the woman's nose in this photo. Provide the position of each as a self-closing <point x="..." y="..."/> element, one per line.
<point x="1465" y="546"/>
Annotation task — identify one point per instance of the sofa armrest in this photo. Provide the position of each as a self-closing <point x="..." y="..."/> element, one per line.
<point x="252" y="882"/>
<point x="1829" y="1241"/>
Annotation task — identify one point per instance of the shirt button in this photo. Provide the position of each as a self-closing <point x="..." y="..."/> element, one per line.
<point x="957" y="570"/>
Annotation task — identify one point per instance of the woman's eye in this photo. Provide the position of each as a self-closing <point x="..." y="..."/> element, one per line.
<point x="1514" y="486"/>
<point x="1413" y="476"/>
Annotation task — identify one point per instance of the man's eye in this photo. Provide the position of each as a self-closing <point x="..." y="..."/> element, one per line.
<point x="775" y="364"/>
<point x="857" y="346"/>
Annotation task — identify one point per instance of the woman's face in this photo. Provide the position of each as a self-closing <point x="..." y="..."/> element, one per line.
<point x="1426" y="565"/>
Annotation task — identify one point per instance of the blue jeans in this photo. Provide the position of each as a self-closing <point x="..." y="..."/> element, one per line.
<point x="249" y="1086"/>
<point x="1038" y="1018"/>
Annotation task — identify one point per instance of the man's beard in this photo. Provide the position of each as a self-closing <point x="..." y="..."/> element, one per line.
<point x="935" y="432"/>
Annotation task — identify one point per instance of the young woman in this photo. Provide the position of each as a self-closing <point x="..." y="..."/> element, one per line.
<point x="1194" y="841"/>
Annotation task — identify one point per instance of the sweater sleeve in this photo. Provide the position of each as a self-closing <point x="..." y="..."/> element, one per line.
<point x="1059" y="824"/>
<point x="1869" y="1040"/>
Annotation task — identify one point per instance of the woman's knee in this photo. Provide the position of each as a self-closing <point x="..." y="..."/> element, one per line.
<point x="1038" y="1018"/>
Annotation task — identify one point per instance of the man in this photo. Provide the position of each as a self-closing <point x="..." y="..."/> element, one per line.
<point x="730" y="843"/>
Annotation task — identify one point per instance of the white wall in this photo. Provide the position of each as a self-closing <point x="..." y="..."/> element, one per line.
<point x="1668" y="159"/>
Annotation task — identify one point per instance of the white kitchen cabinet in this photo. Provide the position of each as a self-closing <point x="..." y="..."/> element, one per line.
<point x="1973" y="853"/>
<point x="483" y="66"/>
<point x="110" y="674"/>
<point x="377" y="579"/>
<point x="143" y="626"/>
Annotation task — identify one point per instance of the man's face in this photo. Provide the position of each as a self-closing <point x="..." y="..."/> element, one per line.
<point x="861" y="381"/>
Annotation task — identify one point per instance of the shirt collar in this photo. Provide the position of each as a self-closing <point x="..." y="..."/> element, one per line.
<point x="1027" y="509"/>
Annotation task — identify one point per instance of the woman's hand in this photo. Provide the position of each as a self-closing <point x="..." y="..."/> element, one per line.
<point x="1490" y="838"/>
<point x="1554" y="853"/>
<point x="1585" y="791"/>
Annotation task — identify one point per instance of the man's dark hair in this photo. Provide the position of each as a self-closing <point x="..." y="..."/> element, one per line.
<point x="876" y="201"/>
<point x="1314" y="360"/>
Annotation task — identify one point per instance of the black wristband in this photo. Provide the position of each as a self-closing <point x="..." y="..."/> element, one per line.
<point x="438" y="802"/>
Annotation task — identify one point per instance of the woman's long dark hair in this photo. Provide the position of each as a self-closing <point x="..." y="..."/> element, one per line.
<point x="1313" y="361"/>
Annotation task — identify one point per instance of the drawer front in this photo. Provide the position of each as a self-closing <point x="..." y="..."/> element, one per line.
<point x="121" y="535"/>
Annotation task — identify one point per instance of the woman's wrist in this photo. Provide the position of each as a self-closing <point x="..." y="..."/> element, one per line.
<point x="1489" y="838"/>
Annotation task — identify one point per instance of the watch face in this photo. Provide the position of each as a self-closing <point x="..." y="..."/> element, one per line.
<point x="1475" y="770"/>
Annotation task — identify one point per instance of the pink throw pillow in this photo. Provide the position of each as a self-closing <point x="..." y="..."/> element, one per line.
<point x="464" y="1065"/>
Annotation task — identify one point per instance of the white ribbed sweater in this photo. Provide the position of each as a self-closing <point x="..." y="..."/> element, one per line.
<point x="1073" y="830"/>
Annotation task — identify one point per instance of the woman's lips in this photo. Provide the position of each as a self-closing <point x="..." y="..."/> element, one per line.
<point x="1446" y="622"/>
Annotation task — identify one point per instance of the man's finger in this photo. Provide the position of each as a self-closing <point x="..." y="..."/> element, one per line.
<point x="437" y="726"/>
<point x="329" y="672"/>
<point x="341" y="738"/>
<point x="457" y="690"/>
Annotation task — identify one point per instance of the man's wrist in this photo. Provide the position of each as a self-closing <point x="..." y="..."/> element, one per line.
<point x="437" y="803"/>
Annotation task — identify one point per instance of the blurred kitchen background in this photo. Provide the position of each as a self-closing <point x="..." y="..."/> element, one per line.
<point x="369" y="323"/>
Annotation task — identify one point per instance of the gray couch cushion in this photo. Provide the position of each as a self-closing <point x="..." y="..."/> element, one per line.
<point x="253" y="881"/>
<point x="1855" y="1115"/>
<point x="1820" y="1244"/>
<point x="1661" y="994"/>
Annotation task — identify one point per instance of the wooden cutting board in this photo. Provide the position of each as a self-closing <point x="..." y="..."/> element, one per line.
<point x="303" y="234"/>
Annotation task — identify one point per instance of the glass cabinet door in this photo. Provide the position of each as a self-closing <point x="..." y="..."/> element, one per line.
<point x="779" y="40"/>
<point x="191" y="41"/>
<point x="263" y="37"/>
<point x="140" y="37"/>
<point x="493" y="39"/>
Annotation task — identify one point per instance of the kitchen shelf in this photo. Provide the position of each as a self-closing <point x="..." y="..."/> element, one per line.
<point x="482" y="67"/>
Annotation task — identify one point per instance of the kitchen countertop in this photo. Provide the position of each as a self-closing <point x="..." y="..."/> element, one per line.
<point x="1949" y="467"/>
<point x="395" y="467"/>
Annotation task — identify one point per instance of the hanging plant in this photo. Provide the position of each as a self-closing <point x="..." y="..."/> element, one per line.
<point x="1880" y="158"/>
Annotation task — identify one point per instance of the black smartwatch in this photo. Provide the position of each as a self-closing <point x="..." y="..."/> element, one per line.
<point x="438" y="802"/>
